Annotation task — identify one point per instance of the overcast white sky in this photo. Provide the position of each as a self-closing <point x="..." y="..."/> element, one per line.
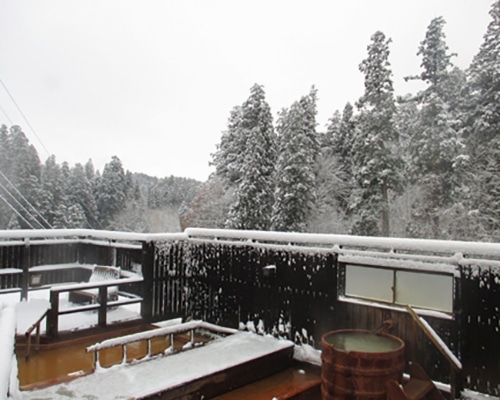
<point x="153" y="81"/>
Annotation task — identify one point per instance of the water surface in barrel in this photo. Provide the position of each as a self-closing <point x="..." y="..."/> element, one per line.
<point x="362" y="341"/>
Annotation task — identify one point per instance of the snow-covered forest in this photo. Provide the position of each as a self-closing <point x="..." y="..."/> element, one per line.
<point x="424" y="164"/>
<point x="421" y="165"/>
<point x="52" y="195"/>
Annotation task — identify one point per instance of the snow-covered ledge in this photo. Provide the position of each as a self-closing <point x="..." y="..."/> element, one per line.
<point x="8" y="363"/>
<point x="395" y="244"/>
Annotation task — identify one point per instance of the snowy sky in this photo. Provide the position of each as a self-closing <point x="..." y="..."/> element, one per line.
<point x="153" y="81"/>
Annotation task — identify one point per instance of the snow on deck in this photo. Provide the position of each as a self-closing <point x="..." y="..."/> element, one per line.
<point x="157" y="374"/>
<point x="28" y="312"/>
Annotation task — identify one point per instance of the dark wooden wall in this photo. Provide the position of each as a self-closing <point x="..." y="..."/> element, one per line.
<point x="291" y="292"/>
<point x="229" y="284"/>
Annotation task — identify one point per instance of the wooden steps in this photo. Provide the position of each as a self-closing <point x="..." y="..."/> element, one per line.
<point x="301" y="381"/>
<point x="420" y="386"/>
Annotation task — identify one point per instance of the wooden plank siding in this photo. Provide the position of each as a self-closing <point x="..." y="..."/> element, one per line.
<point x="228" y="285"/>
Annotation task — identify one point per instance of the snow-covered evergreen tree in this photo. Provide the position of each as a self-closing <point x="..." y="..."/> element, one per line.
<point x="21" y="166"/>
<point x="376" y="160"/>
<point x="52" y="193"/>
<point x="296" y="166"/>
<point x="482" y="130"/>
<point x="80" y="192"/>
<point x="111" y="190"/>
<point x="435" y="148"/>
<point x="68" y="217"/>
<point x="227" y="159"/>
<point x="246" y="160"/>
<point x="342" y="132"/>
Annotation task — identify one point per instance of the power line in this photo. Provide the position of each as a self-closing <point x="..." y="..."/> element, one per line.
<point x="18" y="214"/>
<point x="33" y="218"/>
<point x="24" y="116"/>
<point x="8" y="119"/>
<point x="26" y="200"/>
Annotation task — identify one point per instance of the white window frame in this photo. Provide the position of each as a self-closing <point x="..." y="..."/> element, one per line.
<point x="386" y="293"/>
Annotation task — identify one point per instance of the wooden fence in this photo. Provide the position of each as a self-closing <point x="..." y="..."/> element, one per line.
<point x="294" y="286"/>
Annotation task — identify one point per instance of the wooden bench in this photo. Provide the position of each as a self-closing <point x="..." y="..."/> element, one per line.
<point x="100" y="273"/>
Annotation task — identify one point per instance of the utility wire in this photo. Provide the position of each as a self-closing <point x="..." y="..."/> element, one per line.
<point x="18" y="214"/>
<point x="24" y="116"/>
<point x="33" y="218"/>
<point x="8" y="119"/>
<point x="27" y="201"/>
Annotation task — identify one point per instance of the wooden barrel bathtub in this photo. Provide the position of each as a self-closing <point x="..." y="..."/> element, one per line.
<point x="356" y="364"/>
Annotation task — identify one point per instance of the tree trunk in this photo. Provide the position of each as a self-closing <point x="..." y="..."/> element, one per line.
<point x="385" y="211"/>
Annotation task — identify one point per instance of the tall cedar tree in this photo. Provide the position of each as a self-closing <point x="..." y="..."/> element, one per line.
<point x="483" y="127"/>
<point x="341" y="131"/>
<point x="435" y="148"/>
<point x="295" y="170"/>
<point x="80" y="192"/>
<point x="376" y="160"/>
<point x="20" y="179"/>
<point x="52" y="193"/>
<point x="247" y="161"/>
<point x="110" y="191"/>
<point x="227" y="160"/>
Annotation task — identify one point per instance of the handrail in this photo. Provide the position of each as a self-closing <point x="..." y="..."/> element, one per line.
<point x="102" y="286"/>
<point x="435" y="339"/>
<point x="428" y="245"/>
<point x="171" y="331"/>
<point x="31" y="329"/>
<point x="455" y="364"/>
<point x="95" y="285"/>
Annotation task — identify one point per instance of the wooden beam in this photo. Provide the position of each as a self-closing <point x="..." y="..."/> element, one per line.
<point x="433" y="336"/>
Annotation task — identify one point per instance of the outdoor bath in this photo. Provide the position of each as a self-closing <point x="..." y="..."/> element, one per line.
<point x="358" y="363"/>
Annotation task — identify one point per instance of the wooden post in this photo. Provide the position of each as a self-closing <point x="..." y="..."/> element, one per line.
<point x="103" y="309"/>
<point x="148" y="259"/>
<point x="26" y="262"/>
<point x="97" y="360"/>
<point x="53" y="315"/>
<point x="124" y="354"/>
<point x="28" y="347"/>
<point x="38" y="335"/>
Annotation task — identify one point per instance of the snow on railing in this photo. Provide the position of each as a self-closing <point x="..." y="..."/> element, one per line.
<point x="454" y="362"/>
<point x="341" y="243"/>
<point x="347" y="241"/>
<point x="8" y="363"/>
<point x="176" y="329"/>
<point x="87" y="233"/>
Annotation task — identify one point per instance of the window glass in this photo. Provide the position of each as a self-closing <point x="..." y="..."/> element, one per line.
<point x="425" y="290"/>
<point x="369" y="283"/>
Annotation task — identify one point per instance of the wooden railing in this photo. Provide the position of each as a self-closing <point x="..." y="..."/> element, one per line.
<point x="27" y="334"/>
<point x="102" y="306"/>
<point x="168" y="331"/>
<point x="453" y="361"/>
